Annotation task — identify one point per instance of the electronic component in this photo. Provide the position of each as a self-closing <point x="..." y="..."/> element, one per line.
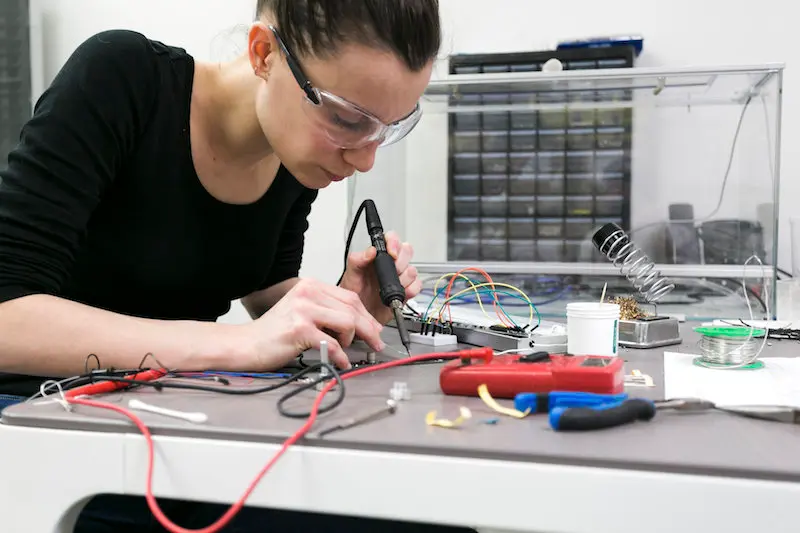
<point x="508" y="375"/>
<point x="474" y="335"/>
<point x="433" y="340"/>
<point x="392" y="292"/>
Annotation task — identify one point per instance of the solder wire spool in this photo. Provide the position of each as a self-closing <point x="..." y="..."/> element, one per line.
<point x="730" y="347"/>
<point x="634" y="264"/>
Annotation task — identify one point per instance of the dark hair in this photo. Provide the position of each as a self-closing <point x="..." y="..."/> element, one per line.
<point x="408" y="28"/>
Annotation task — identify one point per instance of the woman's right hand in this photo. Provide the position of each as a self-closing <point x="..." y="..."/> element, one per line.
<point x="311" y="312"/>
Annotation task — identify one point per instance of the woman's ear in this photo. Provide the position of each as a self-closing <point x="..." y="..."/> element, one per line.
<point x="260" y="45"/>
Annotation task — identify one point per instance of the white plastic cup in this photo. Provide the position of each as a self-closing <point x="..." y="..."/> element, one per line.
<point x="592" y="328"/>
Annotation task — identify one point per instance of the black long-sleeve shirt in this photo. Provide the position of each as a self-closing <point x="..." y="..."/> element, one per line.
<point x="101" y="204"/>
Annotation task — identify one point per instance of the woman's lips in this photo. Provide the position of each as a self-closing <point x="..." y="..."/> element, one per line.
<point x="333" y="177"/>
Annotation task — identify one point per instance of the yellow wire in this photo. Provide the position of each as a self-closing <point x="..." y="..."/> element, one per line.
<point x="493" y="285"/>
<point x="472" y="287"/>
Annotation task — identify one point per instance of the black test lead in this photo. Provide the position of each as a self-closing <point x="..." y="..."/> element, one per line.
<point x="392" y="292"/>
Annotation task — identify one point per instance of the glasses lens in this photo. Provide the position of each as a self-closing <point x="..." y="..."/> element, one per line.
<point x="397" y="131"/>
<point x="350" y="127"/>
<point x="345" y="124"/>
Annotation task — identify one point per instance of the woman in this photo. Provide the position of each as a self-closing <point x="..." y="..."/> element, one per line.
<point x="150" y="190"/>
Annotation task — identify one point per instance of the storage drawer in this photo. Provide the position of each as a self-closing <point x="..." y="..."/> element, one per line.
<point x="467" y="163"/>
<point x="580" y="162"/>
<point x="550" y="250"/>
<point x="550" y="206"/>
<point x="522" y="206"/>
<point x="495" y="121"/>
<point x="465" y="227"/>
<point x="466" y="185"/>
<point x="551" y="163"/>
<point x="521" y="228"/>
<point x="610" y="162"/>
<point x="493" y="228"/>
<point x="523" y="185"/>
<point x="522" y="250"/>
<point x="523" y="140"/>
<point x="609" y="185"/>
<point x="494" y="206"/>
<point x="580" y="139"/>
<point x="467" y="121"/>
<point x="494" y="250"/>
<point x="523" y="163"/>
<point x="549" y="228"/>
<point x="467" y="69"/>
<point x="581" y="118"/>
<point x="550" y="184"/>
<point x="553" y="140"/>
<point x="466" y="206"/>
<point x="580" y="206"/>
<point x="495" y="141"/>
<point x="552" y="120"/>
<point x="581" y="185"/>
<point x="465" y="249"/>
<point x="611" y="139"/>
<point x="573" y="250"/>
<point x="578" y="228"/>
<point x="608" y="206"/>
<point x="494" y="185"/>
<point x="611" y="117"/>
<point x="466" y="141"/>
<point x="523" y="120"/>
<point x="496" y="163"/>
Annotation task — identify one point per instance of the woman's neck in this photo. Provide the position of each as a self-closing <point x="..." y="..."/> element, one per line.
<point x="230" y="109"/>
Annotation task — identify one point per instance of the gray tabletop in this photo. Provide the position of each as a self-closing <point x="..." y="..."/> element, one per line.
<point x="708" y="443"/>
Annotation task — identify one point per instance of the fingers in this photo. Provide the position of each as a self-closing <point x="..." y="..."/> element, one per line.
<point x="348" y="303"/>
<point x="360" y="260"/>
<point x="414" y="289"/>
<point x="392" y="243"/>
<point x="409" y="276"/>
<point x="336" y="354"/>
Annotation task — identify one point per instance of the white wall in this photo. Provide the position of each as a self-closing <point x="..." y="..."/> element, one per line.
<point x="672" y="33"/>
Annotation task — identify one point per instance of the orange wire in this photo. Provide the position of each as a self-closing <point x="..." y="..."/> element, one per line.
<point x="501" y="314"/>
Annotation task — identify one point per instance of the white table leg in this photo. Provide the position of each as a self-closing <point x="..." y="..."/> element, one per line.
<point x="44" y="492"/>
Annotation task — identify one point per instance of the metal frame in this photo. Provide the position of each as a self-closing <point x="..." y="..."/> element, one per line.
<point x="602" y="269"/>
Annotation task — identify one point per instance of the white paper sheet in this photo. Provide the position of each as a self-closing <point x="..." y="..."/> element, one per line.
<point x="778" y="383"/>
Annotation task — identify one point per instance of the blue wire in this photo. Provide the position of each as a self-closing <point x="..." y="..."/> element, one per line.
<point x="268" y="375"/>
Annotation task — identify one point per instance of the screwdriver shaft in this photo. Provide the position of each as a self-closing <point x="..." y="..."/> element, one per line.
<point x="389" y="409"/>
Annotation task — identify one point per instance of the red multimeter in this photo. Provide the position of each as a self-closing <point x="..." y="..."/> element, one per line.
<point x="508" y="375"/>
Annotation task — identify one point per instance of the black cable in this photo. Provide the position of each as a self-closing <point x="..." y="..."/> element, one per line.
<point x="349" y="242"/>
<point x="305" y="414"/>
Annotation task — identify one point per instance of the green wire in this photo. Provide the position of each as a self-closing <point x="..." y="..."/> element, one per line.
<point x="487" y="291"/>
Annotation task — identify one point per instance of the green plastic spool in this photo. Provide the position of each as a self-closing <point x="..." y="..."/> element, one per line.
<point x="730" y="332"/>
<point x="755" y="365"/>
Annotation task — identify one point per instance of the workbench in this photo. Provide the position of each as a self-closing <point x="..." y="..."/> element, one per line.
<point x="691" y="473"/>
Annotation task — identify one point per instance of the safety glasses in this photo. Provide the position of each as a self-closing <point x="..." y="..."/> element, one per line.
<point x="346" y="124"/>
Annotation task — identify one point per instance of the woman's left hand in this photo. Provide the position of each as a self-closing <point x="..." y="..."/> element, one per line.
<point x="360" y="277"/>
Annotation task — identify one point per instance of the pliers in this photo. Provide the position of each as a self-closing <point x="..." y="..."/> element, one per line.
<point x="580" y="411"/>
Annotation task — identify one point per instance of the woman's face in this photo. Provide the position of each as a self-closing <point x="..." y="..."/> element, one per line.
<point x="359" y="88"/>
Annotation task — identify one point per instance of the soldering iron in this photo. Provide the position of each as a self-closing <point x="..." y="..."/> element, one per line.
<point x="392" y="292"/>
